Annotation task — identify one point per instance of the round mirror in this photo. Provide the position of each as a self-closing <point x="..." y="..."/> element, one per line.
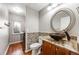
<point x="63" y="20"/>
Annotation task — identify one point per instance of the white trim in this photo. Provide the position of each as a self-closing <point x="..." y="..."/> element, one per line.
<point x="15" y="42"/>
<point x="27" y="50"/>
<point x="6" y="49"/>
<point x="30" y="50"/>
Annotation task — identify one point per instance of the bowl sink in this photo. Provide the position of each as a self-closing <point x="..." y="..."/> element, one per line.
<point x="57" y="36"/>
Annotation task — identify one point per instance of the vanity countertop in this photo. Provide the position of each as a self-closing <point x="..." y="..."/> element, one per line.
<point x="70" y="45"/>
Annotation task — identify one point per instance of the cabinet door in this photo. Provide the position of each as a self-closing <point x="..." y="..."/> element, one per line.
<point x="53" y="49"/>
<point x="46" y="48"/>
<point x="61" y="51"/>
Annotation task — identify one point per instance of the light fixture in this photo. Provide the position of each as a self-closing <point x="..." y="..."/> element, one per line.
<point x="52" y="6"/>
<point x="17" y="9"/>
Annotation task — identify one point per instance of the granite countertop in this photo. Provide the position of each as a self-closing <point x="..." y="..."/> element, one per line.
<point x="70" y="45"/>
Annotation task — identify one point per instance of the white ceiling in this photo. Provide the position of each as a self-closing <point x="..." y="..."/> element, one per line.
<point x="36" y="6"/>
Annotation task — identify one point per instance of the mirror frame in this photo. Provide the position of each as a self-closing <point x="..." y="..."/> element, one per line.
<point x="72" y="19"/>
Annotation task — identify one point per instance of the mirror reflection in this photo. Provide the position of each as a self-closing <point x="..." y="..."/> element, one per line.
<point x="61" y="21"/>
<point x="17" y="27"/>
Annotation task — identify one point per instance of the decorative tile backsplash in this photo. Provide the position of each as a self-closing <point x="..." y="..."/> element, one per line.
<point x="44" y="34"/>
<point x="32" y="38"/>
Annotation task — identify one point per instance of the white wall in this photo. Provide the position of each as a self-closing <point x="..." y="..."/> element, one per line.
<point x="32" y="22"/>
<point x="3" y="40"/>
<point x="45" y="18"/>
<point x="4" y="31"/>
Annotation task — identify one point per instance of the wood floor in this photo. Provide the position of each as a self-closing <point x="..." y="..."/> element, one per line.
<point x="17" y="49"/>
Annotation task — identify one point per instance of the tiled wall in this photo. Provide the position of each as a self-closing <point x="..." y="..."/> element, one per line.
<point x="32" y="38"/>
<point x="44" y="34"/>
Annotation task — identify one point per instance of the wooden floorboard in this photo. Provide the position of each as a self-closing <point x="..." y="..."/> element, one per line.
<point x="17" y="49"/>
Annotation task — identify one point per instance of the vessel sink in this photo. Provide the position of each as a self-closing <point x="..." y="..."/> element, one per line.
<point x="57" y="36"/>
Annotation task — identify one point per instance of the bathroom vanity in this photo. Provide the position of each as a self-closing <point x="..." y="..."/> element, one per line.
<point x="52" y="47"/>
<point x="56" y="44"/>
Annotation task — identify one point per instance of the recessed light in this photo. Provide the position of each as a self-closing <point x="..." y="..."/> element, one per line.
<point x="17" y="9"/>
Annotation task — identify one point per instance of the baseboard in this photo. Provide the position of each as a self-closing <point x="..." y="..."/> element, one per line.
<point x="15" y="42"/>
<point x="27" y="50"/>
<point x="6" y="49"/>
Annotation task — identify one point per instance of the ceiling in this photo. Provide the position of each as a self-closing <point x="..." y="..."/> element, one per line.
<point x="19" y="8"/>
<point x="36" y="6"/>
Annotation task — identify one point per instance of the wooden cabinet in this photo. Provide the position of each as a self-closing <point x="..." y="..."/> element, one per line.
<point x="44" y="48"/>
<point x="51" y="49"/>
<point x="61" y="51"/>
<point x="47" y="48"/>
